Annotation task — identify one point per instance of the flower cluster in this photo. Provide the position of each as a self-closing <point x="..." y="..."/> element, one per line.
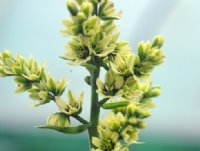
<point x="94" y="35"/>
<point x="31" y="77"/>
<point x="128" y="79"/>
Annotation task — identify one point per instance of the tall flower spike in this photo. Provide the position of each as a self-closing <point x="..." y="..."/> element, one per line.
<point x="127" y="89"/>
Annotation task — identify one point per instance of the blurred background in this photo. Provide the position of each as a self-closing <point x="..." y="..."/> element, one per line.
<point x="32" y="27"/>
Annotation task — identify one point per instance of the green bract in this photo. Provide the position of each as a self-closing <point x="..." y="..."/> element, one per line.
<point x="127" y="89"/>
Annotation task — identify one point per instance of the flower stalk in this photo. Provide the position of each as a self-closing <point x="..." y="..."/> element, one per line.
<point x="94" y="108"/>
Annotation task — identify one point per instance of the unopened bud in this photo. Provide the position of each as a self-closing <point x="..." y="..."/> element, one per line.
<point x="158" y="42"/>
<point x="59" y="119"/>
<point x="153" y="92"/>
<point x="142" y="113"/>
<point x="73" y="9"/>
<point x="130" y="110"/>
<point x="132" y="120"/>
<point x="87" y="8"/>
<point x="141" y="125"/>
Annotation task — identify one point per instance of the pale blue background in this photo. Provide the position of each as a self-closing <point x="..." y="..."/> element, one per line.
<point x="32" y="27"/>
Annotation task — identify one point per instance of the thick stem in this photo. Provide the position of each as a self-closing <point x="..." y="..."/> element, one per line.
<point x="95" y="108"/>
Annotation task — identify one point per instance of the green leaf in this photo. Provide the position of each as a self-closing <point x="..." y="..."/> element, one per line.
<point x="115" y="105"/>
<point x="67" y="130"/>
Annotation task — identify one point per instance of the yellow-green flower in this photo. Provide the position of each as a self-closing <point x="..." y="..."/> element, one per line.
<point x="130" y="91"/>
<point x="78" y="51"/>
<point x="113" y="121"/>
<point x="113" y="83"/>
<point x="123" y="64"/>
<point x="73" y="106"/>
<point x="107" y="141"/>
<point x="102" y="44"/>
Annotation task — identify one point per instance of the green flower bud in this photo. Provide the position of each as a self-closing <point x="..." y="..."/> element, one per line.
<point x="142" y="113"/>
<point x="153" y="92"/>
<point x="132" y="120"/>
<point x="72" y="7"/>
<point x="158" y="42"/>
<point x="109" y="78"/>
<point x="35" y="96"/>
<point x="81" y="17"/>
<point x="141" y="125"/>
<point x="59" y="119"/>
<point x="130" y="110"/>
<point x="5" y="54"/>
<point x="44" y="95"/>
<point x="87" y="8"/>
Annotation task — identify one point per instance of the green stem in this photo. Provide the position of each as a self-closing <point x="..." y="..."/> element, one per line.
<point x="80" y="119"/>
<point x="95" y="108"/>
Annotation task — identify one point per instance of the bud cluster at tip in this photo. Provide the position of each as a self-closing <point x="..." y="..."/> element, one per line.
<point x="93" y="30"/>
